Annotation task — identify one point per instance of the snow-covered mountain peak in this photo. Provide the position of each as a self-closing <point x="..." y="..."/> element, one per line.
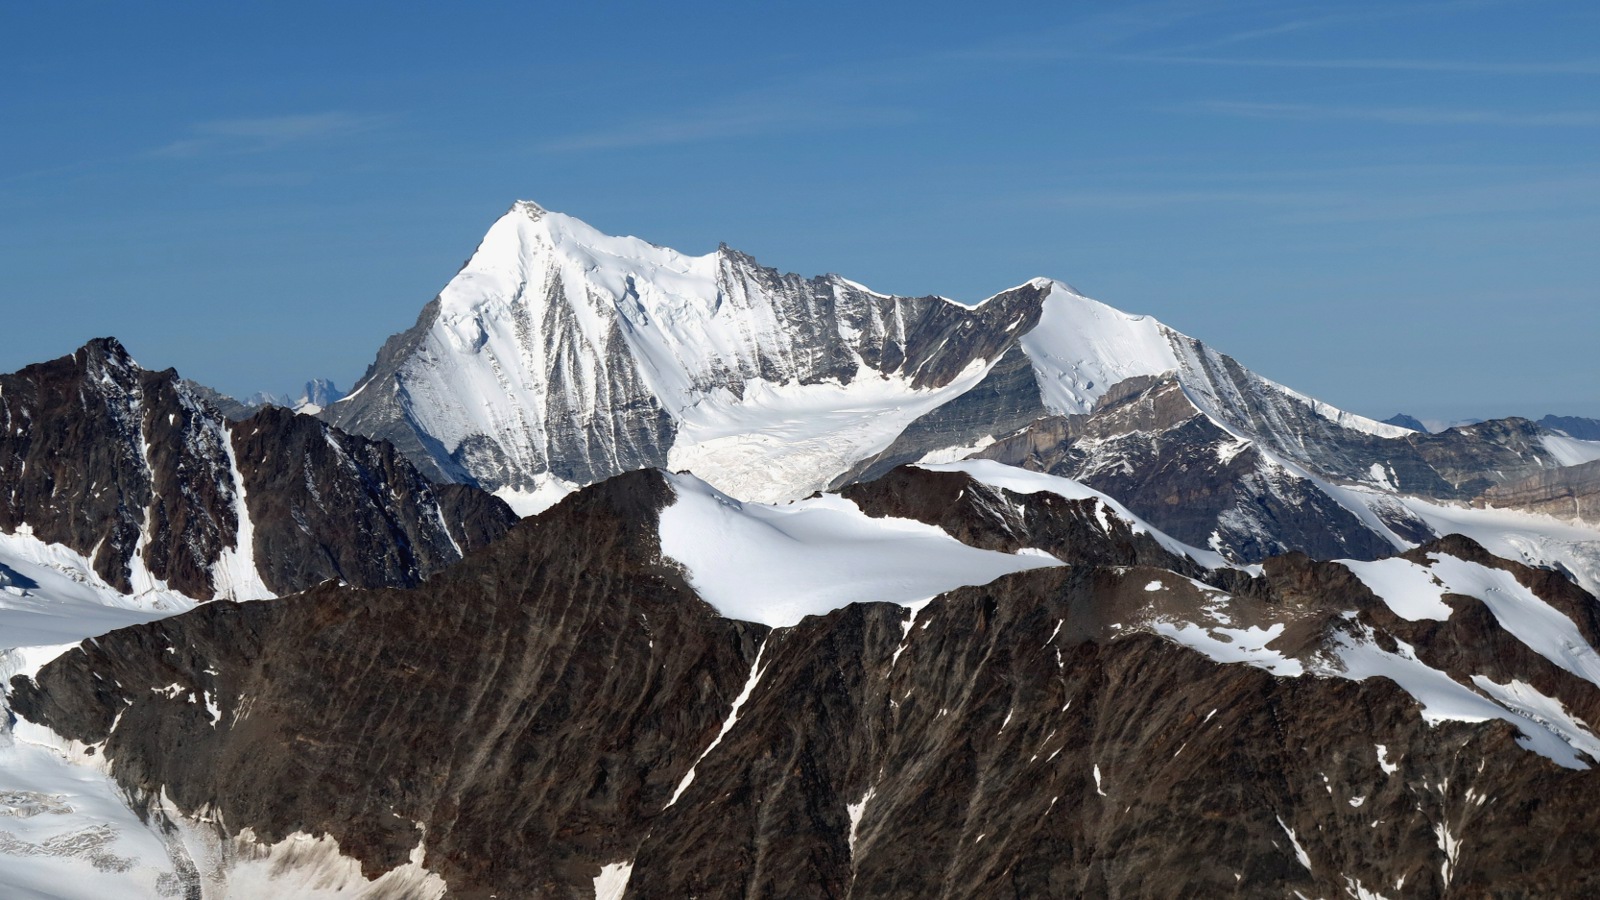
<point x="528" y="208"/>
<point x="560" y="355"/>
<point x="529" y="248"/>
<point x="1081" y="347"/>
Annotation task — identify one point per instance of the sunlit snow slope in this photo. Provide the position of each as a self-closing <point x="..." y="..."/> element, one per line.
<point x="560" y="355"/>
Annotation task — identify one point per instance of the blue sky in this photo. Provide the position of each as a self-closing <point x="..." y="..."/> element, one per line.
<point x="1391" y="206"/>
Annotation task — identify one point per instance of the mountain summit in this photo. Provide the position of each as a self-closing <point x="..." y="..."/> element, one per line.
<point x="559" y="356"/>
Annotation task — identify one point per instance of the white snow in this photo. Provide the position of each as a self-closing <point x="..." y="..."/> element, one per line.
<point x="1450" y="846"/>
<point x="67" y="834"/>
<point x="1233" y="645"/>
<point x="552" y="323"/>
<point x="783" y="441"/>
<point x="778" y="564"/>
<point x="1416" y="592"/>
<point x="1543" y="711"/>
<point x="612" y="882"/>
<point x="1382" y="477"/>
<point x="1545" y="630"/>
<point x="64" y="828"/>
<point x="1570" y="451"/>
<point x="551" y="320"/>
<point x="1412" y="591"/>
<point x="1097" y="787"/>
<point x="1389" y="768"/>
<point x="56" y="598"/>
<point x="1299" y="851"/>
<point x="855" y="811"/>
<point x="235" y="574"/>
<point x="550" y="491"/>
<point x="66" y="831"/>
<point x="1082" y="347"/>
<point x="1531" y="538"/>
<point x="1442" y="698"/>
<point x="304" y="867"/>
<point x="951" y="454"/>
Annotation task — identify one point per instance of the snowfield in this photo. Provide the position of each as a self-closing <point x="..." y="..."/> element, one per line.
<point x="778" y="564"/>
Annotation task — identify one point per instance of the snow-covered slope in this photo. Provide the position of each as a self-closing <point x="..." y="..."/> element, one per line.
<point x="66" y="830"/>
<point x="560" y="355"/>
<point x="778" y="564"/>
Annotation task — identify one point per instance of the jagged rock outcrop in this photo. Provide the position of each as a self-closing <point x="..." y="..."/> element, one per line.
<point x="1080" y="532"/>
<point x="232" y="409"/>
<point x="564" y="702"/>
<point x="138" y="472"/>
<point x="328" y="505"/>
<point x="1572" y="492"/>
<point x="1148" y="445"/>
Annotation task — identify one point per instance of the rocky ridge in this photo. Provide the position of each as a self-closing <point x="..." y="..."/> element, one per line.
<point x="1131" y="723"/>
<point x="140" y="474"/>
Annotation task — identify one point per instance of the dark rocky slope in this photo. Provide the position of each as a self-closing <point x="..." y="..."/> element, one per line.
<point x="1150" y="447"/>
<point x="536" y="709"/>
<point x="137" y="471"/>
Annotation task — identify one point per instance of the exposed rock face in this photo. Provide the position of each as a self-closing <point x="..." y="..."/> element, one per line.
<point x="320" y="392"/>
<point x="534" y="714"/>
<point x="138" y="472"/>
<point x="1149" y="446"/>
<point x="120" y="464"/>
<point x="232" y="409"/>
<point x="1472" y="458"/>
<point x="329" y="505"/>
<point x="1572" y="492"/>
<point x="1006" y="399"/>
<point x="1080" y="532"/>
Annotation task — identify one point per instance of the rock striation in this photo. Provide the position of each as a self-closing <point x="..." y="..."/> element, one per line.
<point x="562" y="707"/>
<point x="138" y="472"/>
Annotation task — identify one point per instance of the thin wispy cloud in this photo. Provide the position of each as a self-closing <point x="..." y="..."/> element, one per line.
<point x="699" y="126"/>
<point x="266" y="133"/>
<point x="1309" y="23"/>
<point x="1401" y="115"/>
<point x="1472" y="67"/>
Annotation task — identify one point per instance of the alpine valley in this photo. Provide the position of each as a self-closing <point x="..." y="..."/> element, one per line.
<point x="626" y="573"/>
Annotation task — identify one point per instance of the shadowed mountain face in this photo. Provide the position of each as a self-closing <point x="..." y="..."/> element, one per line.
<point x="136" y="471"/>
<point x="1202" y="480"/>
<point x="1573" y="426"/>
<point x="564" y="701"/>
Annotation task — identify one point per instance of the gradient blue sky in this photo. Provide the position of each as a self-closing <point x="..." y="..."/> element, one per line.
<point x="1391" y="206"/>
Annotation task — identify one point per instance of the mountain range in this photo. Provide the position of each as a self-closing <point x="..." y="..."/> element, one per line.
<point x="816" y="591"/>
